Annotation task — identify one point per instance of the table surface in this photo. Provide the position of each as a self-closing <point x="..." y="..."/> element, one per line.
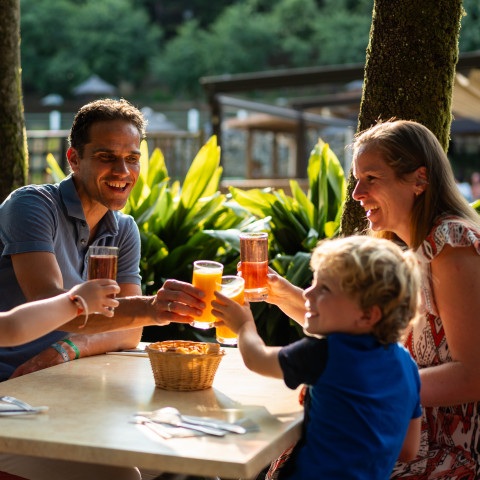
<point x="92" y="400"/>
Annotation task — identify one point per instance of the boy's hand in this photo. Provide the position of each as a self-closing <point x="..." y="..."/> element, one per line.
<point x="98" y="294"/>
<point x="231" y="313"/>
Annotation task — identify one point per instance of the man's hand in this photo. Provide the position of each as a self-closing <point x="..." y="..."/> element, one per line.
<point x="45" y="359"/>
<point x="178" y="302"/>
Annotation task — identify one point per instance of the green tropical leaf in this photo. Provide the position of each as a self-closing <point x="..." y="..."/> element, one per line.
<point x="305" y="205"/>
<point x="257" y="202"/>
<point x="55" y="171"/>
<point x="205" y="208"/>
<point x="299" y="272"/>
<point x="202" y="174"/>
<point x="230" y="237"/>
<point x="157" y="170"/>
<point x="476" y="205"/>
<point x="331" y="229"/>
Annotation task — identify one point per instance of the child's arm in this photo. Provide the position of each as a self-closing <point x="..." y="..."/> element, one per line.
<point x="31" y="320"/>
<point x="411" y="444"/>
<point x="256" y="355"/>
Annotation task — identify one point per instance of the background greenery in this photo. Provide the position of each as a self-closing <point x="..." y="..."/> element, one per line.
<point x="181" y="223"/>
<point x="162" y="48"/>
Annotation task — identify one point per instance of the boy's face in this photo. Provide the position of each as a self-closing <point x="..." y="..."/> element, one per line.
<point x="329" y="310"/>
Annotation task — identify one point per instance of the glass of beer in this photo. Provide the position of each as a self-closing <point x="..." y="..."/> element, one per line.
<point x="102" y="262"/>
<point x="254" y="264"/>
<point x="206" y="276"/>
<point x="232" y="287"/>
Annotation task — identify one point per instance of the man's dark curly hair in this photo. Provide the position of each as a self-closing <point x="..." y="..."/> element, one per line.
<point x="103" y="111"/>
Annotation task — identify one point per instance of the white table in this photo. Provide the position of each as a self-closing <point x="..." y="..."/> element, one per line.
<point x="91" y="402"/>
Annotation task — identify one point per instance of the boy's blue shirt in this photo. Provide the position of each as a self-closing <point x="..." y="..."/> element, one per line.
<point x="362" y="398"/>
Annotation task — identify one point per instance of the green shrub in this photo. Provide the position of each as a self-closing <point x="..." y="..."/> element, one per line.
<point x="172" y="217"/>
<point x="296" y="223"/>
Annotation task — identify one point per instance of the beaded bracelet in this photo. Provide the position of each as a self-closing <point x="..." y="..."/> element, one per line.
<point x="61" y="351"/>
<point x="75" y="348"/>
<point x="82" y="307"/>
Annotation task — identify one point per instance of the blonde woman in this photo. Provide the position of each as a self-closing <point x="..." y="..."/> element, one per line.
<point x="406" y="186"/>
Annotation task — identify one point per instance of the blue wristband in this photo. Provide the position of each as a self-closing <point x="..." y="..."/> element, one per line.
<point x="61" y="351"/>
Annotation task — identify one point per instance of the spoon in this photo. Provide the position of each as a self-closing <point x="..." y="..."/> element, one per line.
<point x="24" y="407"/>
<point x="16" y="401"/>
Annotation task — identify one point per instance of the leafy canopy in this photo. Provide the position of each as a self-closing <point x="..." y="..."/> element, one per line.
<point x="64" y="42"/>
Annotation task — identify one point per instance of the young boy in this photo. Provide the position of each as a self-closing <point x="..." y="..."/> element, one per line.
<point x="362" y="408"/>
<point x="31" y="320"/>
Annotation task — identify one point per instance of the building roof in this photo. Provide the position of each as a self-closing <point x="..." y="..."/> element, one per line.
<point x="95" y="86"/>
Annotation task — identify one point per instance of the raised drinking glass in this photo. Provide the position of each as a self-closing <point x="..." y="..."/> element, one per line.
<point x="254" y="264"/>
<point x="206" y="276"/>
<point x="232" y="287"/>
<point x="102" y="262"/>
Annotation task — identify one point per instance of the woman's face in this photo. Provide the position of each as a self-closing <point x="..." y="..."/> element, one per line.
<point x="387" y="200"/>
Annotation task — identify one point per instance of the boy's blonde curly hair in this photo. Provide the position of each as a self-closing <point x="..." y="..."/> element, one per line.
<point x="374" y="271"/>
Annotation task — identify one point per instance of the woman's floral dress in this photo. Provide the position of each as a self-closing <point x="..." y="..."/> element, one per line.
<point x="450" y="445"/>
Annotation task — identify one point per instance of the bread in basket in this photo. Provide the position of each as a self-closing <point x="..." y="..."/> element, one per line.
<point x="184" y="365"/>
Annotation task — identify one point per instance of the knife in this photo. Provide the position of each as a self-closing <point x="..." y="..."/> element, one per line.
<point x="229" y="427"/>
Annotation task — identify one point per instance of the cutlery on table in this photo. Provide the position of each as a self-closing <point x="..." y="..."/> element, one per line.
<point x="23" y="407"/>
<point x="171" y="413"/>
<point x="171" y="416"/>
<point x="229" y="427"/>
<point x="152" y="426"/>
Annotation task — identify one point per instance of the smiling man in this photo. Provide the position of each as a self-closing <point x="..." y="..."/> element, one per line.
<point x="45" y="232"/>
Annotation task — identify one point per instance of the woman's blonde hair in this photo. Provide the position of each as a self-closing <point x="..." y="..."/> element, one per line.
<point x="373" y="271"/>
<point x="406" y="146"/>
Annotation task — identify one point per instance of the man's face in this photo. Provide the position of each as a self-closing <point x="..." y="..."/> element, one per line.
<point x="109" y="167"/>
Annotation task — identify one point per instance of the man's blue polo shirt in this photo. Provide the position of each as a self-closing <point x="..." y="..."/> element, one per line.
<point x="50" y="218"/>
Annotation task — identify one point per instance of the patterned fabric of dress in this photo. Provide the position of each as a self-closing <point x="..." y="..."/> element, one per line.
<point x="450" y="435"/>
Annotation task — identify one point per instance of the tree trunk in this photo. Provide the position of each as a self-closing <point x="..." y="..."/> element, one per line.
<point x="409" y="74"/>
<point x="13" y="145"/>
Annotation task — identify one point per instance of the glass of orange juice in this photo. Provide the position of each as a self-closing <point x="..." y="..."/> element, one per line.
<point x="232" y="287"/>
<point x="206" y="276"/>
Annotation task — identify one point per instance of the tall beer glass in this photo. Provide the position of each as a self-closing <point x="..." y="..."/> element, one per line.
<point x="254" y="264"/>
<point x="102" y="262"/>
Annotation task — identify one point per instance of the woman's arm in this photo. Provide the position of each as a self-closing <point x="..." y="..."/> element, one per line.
<point x="455" y="274"/>
<point x="286" y="296"/>
<point x="411" y="444"/>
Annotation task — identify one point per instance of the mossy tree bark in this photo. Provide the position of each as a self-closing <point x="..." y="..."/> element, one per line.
<point x="409" y="74"/>
<point x="13" y="146"/>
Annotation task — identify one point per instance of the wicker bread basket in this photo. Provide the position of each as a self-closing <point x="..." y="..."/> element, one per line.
<point x="183" y="365"/>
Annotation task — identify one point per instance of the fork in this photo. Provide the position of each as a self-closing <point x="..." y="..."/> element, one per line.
<point x="19" y="403"/>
